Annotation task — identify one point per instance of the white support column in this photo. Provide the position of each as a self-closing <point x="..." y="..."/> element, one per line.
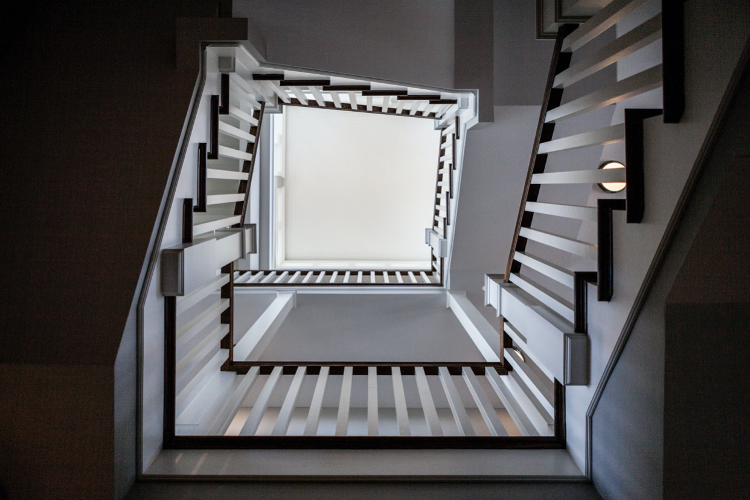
<point x="261" y="404"/>
<point x="428" y="405"/>
<point x="402" y="414"/>
<point x="285" y="414"/>
<point x="478" y="328"/>
<point x="454" y="400"/>
<point x="313" y="417"/>
<point x="369" y="103"/>
<point x="372" y="401"/>
<point x="251" y="345"/>
<point x="483" y="404"/>
<point x="342" y="420"/>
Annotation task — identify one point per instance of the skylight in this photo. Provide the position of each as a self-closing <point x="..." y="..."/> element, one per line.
<point x="352" y="190"/>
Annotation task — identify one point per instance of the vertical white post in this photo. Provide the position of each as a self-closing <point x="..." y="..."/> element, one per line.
<point x="261" y="404"/>
<point x="299" y="95"/>
<point x="353" y="100"/>
<point x="342" y="421"/>
<point x="336" y="99"/>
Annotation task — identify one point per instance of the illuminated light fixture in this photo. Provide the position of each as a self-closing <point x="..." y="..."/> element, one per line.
<point x="611" y="187"/>
<point x="520" y="354"/>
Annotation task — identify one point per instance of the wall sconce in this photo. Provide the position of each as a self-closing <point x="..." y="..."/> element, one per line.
<point x="611" y="187"/>
<point x="520" y="354"/>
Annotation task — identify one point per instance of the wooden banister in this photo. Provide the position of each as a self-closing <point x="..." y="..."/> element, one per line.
<point x="537" y="164"/>
<point x="248" y="167"/>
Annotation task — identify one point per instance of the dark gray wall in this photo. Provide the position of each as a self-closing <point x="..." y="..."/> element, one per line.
<point x="473" y="52"/>
<point x="672" y="414"/>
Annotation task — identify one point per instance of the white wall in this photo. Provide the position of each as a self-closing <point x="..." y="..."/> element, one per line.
<point x="358" y="186"/>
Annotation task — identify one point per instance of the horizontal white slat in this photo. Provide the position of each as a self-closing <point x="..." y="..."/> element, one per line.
<point x="599" y="23"/>
<point x="215" y="224"/>
<point x="567" y="211"/>
<point x="536" y="385"/>
<point x="218" y="199"/>
<point x="234" y="153"/>
<point x="232" y="131"/>
<point x="187" y="301"/>
<point x="549" y="269"/>
<point x="238" y="113"/>
<point x="607" y="135"/>
<point x="203" y="319"/>
<point x="215" y="173"/>
<point x="558" y="304"/>
<point x="580" y="176"/>
<point x="566" y="244"/>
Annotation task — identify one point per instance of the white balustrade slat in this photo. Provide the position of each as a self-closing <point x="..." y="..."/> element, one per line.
<point x="359" y="277"/>
<point x="203" y="319"/>
<point x="261" y="404"/>
<point x="336" y="99"/>
<point x="597" y="24"/>
<point x="454" y="401"/>
<point x="385" y="277"/>
<point x="369" y="103"/>
<point x="307" y="277"/>
<point x="424" y="277"/>
<point x="372" y="276"/>
<point x="372" y="401"/>
<point x="567" y="211"/>
<point x="187" y="301"/>
<point x="385" y="106"/>
<point x="218" y="199"/>
<point x="293" y="279"/>
<point x="515" y="409"/>
<point x="227" y="152"/>
<point x="184" y="358"/>
<point x="412" y="278"/>
<point x="214" y="173"/>
<point x="317" y="95"/>
<point x="333" y="277"/>
<point x="224" y="418"/>
<point x="269" y="277"/>
<point x="558" y="304"/>
<point x="483" y="404"/>
<point x="320" y="277"/>
<point x="342" y="420"/>
<point x="281" y="277"/>
<point x="299" y="95"/>
<point x="346" y="276"/>
<point x="600" y="137"/>
<point x="567" y="244"/>
<point x="278" y="91"/>
<point x="533" y="382"/>
<point x="238" y="113"/>
<point x="580" y="176"/>
<point x="400" y="107"/>
<point x="428" y="405"/>
<point x="399" y="278"/>
<point x="549" y="269"/>
<point x="313" y="416"/>
<point x="399" y="398"/>
<point x="290" y="402"/>
<point x="257" y="277"/>
<point x="353" y="100"/>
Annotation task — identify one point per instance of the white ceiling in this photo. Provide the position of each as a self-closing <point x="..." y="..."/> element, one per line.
<point x="359" y="189"/>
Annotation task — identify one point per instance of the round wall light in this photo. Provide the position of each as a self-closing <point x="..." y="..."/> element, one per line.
<point x="611" y="187"/>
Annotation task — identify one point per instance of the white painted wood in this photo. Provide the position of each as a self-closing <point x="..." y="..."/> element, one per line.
<point x="342" y="420"/>
<point x="307" y="277"/>
<point x="580" y="176"/>
<point x="400" y="106"/>
<point x="516" y="410"/>
<point x="269" y="277"/>
<point x="242" y="96"/>
<point x="398" y="277"/>
<point x="229" y="408"/>
<point x="353" y="100"/>
<point x="280" y="279"/>
<point x="428" y="405"/>
<point x="252" y="343"/>
<point x="426" y="111"/>
<point x="293" y="279"/>
<point x="333" y="277"/>
<point x="278" y="90"/>
<point x="265" y="90"/>
<point x="385" y="277"/>
<point x="600" y="137"/>
<point x="336" y="99"/>
<point x="185" y="302"/>
<point x="299" y="95"/>
<point x="369" y="103"/>
<point x="243" y="277"/>
<point x="359" y="277"/>
<point x="261" y="404"/>
<point x="630" y="42"/>
<point x="599" y="23"/>
<point x="246" y="88"/>
<point x="313" y="416"/>
<point x="317" y="95"/>
<point x="633" y="85"/>
<point x="219" y="199"/>
<point x="476" y="326"/>
<point x="213" y="173"/>
<point x="450" y="129"/>
<point x="386" y="103"/>
<point x="567" y="211"/>
<point x="346" y="276"/>
<point x="454" y="401"/>
<point x="399" y="398"/>
<point x="213" y="225"/>
<point x="238" y="113"/>
<point x="234" y="153"/>
<point x="549" y="269"/>
<point x="415" y="106"/>
<point x="202" y="320"/>
<point x="483" y="404"/>
<point x="424" y="277"/>
<point x="231" y="131"/>
<point x="372" y="401"/>
<point x="290" y="402"/>
<point x="533" y="382"/>
<point x="372" y="276"/>
<point x="569" y="245"/>
<point x="198" y="381"/>
<point x="257" y="277"/>
<point x="412" y="278"/>
<point x="191" y="349"/>
<point x="320" y="277"/>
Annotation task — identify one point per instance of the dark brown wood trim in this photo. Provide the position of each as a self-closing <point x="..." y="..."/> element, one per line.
<point x="345" y="88"/>
<point x="360" y="109"/>
<point x="443" y="101"/>
<point x="552" y="98"/>
<point x="364" y="442"/>
<point x="416" y="97"/>
<point x="248" y="167"/>
<point x="201" y="206"/>
<point x="304" y="83"/>
<point x="605" y="251"/>
<point x="224" y="106"/>
<point x="360" y="367"/>
<point x="302" y="285"/>
<point x="268" y="76"/>
<point x="187" y="220"/>
<point x="369" y="92"/>
<point x="635" y="190"/>
<point x="581" y="279"/>
<point x="673" y="59"/>
<point x="560" y="412"/>
<point x="170" y="369"/>
<point x="227" y="316"/>
<point x="213" y="138"/>
<point x="458" y="127"/>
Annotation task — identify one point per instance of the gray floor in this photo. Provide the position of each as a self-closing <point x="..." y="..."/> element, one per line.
<point x="361" y="490"/>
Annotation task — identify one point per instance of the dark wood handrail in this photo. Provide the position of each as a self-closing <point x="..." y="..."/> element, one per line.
<point x="552" y="98"/>
<point x="248" y="167"/>
<point x="361" y="367"/>
<point x="202" y="204"/>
